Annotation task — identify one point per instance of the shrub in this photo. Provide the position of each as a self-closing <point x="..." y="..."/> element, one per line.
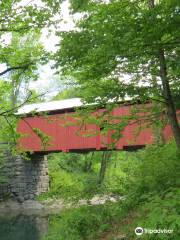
<point x="153" y="170"/>
<point x="85" y="222"/>
<point x="160" y="212"/>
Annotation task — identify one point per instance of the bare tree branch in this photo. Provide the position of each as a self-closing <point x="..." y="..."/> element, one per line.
<point x="15" y="68"/>
<point x="11" y="127"/>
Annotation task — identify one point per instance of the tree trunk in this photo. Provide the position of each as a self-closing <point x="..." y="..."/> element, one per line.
<point x="151" y="3"/>
<point x="171" y="111"/>
<point x="13" y="97"/>
<point x="88" y="163"/>
<point x="103" y="167"/>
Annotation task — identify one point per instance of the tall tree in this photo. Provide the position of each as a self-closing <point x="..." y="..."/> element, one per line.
<point x="14" y="86"/>
<point x="25" y="51"/>
<point x="125" y="48"/>
<point x="21" y="22"/>
<point x="17" y="16"/>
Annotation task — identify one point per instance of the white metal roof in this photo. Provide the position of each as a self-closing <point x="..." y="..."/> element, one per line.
<point x="56" y="105"/>
<point x="50" y="106"/>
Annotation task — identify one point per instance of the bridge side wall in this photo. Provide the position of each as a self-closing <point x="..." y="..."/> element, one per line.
<point x="66" y="133"/>
<point x="24" y="179"/>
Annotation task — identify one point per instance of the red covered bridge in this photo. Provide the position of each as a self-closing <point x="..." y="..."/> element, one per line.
<point x="63" y="136"/>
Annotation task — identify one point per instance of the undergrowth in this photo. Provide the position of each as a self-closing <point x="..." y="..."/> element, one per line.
<point x="149" y="181"/>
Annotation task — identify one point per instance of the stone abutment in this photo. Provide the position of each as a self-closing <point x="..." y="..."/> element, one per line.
<point x="24" y="179"/>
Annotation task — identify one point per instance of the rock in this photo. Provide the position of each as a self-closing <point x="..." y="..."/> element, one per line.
<point x="26" y="197"/>
<point x="20" y="199"/>
<point x="32" y="205"/>
<point x="50" y="206"/>
<point x="96" y="200"/>
<point x="83" y="202"/>
<point x="9" y="206"/>
<point x="120" y="237"/>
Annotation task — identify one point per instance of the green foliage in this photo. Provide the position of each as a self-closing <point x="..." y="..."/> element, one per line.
<point x="63" y="185"/>
<point x="153" y="170"/>
<point x="116" y="174"/>
<point x="116" y="51"/>
<point x="120" y="37"/>
<point x="17" y="16"/>
<point x="148" y="180"/>
<point x="20" y="54"/>
<point x="134" y="175"/>
<point x="150" y="185"/>
<point x="83" y="223"/>
<point x="69" y="177"/>
<point x="43" y="137"/>
<point x="75" y="176"/>
<point x="67" y="93"/>
<point x="23" y="50"/>
<point x="161" y="211"/>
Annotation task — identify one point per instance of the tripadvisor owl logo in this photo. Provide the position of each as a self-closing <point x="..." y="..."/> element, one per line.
<point x="139" y="231"/>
